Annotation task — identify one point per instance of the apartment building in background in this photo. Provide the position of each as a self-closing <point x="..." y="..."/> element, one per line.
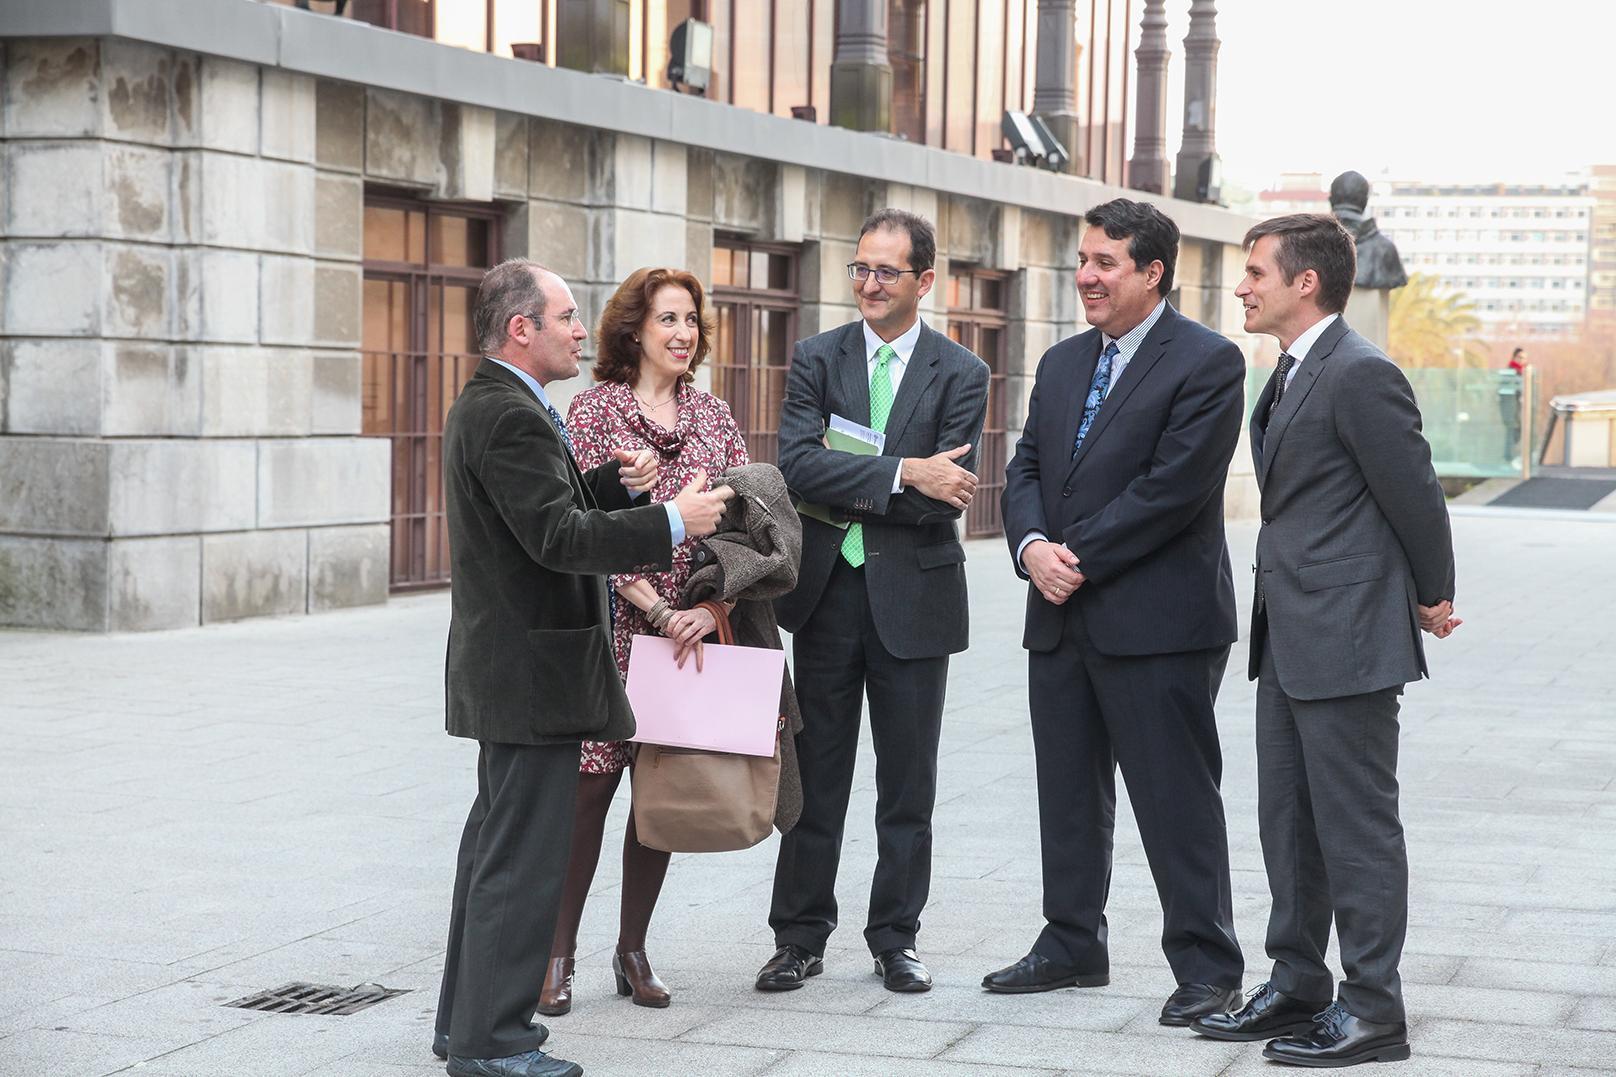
<point x="1521" y="253"/>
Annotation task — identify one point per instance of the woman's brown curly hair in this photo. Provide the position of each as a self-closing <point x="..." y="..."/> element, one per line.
<point x="619" y="355"/>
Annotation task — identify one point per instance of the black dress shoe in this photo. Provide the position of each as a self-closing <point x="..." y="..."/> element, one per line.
<point x="1266" y="1014"/>
<point x="787" y="970"/>
<point x="1037" y="973"/>
<point x="440" y="1041"/>
<point x="1197" y="1000"/>
<point x="526" y="1064"/>
<point x="1340" y="1039"/>
<point x="901" y="970"/>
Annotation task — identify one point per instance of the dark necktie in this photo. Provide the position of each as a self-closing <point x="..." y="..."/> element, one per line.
<point x="1097" y="387"/>
<point x="1282" y="375"/>
<point x="566" y="438"/>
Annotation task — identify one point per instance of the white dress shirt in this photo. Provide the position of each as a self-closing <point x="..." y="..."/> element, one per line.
<point x="903" y="348"/>
<point x="676" y="522"/>
<point x="1304" y="344"/>
<point x="1128" y="344"/>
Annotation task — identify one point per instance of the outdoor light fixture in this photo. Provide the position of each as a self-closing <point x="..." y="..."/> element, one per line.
<point x="1025" y="143"/>
<point x="1055" y="155"/>
<point x="1032" y="142"/>
<point x="690" y="55"/>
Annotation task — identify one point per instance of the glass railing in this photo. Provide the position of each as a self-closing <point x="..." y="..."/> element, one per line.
<point x="1472" y="417"/>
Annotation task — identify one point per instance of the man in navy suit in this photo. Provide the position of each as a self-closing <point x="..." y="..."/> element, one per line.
<point x="1113" y="508"/>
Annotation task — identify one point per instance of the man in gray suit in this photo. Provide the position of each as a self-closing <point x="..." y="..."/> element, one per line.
<point x="880" y="600"/>
<point x="1354" y="559"/>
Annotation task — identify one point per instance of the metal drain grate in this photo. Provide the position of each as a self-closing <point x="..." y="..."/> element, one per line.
<point x="317" y="998"/>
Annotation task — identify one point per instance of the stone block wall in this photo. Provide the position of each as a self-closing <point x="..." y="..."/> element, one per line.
<point x="181" y="289"/>
<point x="179" y="372"/>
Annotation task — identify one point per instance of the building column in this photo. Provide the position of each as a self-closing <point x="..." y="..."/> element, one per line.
<point x="1054" y="98"/>
<point x="592" y="35"/>
<point x="1148" y="170"/>
<point x="860" y="73"/>
<point x="1200" y="99"/>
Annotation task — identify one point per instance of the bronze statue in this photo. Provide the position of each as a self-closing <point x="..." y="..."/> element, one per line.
<point x="1379" y="265"/>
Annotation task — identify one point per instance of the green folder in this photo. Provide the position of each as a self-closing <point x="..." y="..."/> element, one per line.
<point x="841" y="441"/>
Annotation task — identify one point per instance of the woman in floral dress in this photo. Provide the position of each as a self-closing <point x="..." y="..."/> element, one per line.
<point x="653" y="334"/>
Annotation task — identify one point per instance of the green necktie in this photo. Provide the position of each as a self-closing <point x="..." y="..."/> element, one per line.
<point x="880" y="406"/>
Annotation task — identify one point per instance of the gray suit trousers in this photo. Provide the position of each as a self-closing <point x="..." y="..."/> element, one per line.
<point x="1332" y="843"/>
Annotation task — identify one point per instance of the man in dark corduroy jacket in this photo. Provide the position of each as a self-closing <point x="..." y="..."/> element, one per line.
<point x="530" y="671"/>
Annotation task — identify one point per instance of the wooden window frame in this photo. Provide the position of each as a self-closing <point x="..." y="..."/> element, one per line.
<point x="744" y="385"/>
<point x="984" y="518"/>
<point x="423" y="378"/>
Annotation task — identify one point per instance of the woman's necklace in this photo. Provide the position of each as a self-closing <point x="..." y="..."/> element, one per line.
<point x="653" y="405"/>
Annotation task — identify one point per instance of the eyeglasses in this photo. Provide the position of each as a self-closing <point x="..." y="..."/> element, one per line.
<point x="572" y="316"/>
<point x="883" y="274"/>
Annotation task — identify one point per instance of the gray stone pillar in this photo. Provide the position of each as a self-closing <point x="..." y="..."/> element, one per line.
<point x="592" y="35"/>
<point x="1200" y="98"/>
<point x="1148" y="170"/>
<point x="860" y="73"/>
<point x="1054" y="96"/>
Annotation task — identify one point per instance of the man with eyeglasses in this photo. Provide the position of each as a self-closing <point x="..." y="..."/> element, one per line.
<point x="530" y="672"/>
<point x="880" y="598"/>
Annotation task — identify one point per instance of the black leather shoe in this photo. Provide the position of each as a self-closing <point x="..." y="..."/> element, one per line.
<point x="1037" y="973"/>
<point x="1340" y="1039"/>
<point x="901" y="970"/>
<point x="526" y="1064"/>
<point x="440" y="1041"/>
<point x="1266" y="1014"/>
<point x="1197" y="1000"/>
<point x="788" y="969"/>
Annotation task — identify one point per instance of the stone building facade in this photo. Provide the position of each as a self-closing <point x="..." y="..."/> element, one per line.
<point x="201" y="415"/>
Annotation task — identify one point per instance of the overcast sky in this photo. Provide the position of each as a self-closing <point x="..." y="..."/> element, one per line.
<point x="1412" y="89"/>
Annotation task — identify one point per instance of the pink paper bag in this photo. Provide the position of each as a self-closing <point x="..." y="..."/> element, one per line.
<point x="732" y="705"/>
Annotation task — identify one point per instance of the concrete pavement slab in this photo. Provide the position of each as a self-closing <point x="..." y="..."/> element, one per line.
<point x="208" y="812"/>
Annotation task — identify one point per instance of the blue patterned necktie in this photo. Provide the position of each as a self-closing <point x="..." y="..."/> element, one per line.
<point x="566" y="438"/>
<point x="1096" y="397"/>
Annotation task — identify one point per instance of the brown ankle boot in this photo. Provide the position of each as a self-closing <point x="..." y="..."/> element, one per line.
<point x="555" y="997"/>
<point x="634" y="976"/>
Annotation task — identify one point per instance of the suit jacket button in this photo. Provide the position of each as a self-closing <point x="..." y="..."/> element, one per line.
<point x="1066" y="492"/>
<point x="1267" y="520"/>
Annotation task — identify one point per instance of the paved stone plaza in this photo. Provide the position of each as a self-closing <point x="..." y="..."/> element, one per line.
<point x="193" y="816"/>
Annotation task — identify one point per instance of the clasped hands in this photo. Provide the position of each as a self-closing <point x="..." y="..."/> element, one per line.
<point x="1053" y="569"/>
<point x="1439" y="619"/>
<point x="687" y="628"/>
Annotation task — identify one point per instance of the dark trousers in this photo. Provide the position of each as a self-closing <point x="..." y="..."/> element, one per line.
<point x="1332" y="843"/>
<point x="1152" y="716"/>
<point x="836" y="659"/>
<point x="513" y="858"/>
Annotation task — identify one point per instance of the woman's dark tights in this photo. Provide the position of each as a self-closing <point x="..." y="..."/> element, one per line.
<point x="643" y="870"/>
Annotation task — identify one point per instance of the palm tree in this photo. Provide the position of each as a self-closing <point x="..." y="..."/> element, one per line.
<point x="1430" y="327"/>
